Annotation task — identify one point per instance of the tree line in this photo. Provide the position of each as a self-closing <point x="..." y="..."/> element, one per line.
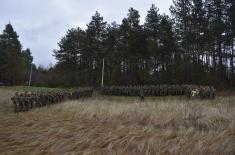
<point x="16" y="63"/>
<point x="195" y="45"/>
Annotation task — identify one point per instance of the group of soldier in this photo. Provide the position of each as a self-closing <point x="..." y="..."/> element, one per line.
<point x="27" y="100"/>
<point x="204" y="92"/>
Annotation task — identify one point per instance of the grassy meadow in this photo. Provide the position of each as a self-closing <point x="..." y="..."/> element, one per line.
<point x="120" y="125"/>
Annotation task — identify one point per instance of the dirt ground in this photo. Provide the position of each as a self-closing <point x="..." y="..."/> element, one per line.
<point x="120" y="125"/>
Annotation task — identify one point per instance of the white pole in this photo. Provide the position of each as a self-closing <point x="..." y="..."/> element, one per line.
<point x="30" y="75"/>
<point x="102" y="82"/>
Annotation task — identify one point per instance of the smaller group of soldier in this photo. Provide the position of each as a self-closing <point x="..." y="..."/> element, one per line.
<point x="204" y="92"/>
<point x="25" y="101"/>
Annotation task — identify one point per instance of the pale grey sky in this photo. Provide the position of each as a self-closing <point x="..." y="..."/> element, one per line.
<point x="40" y="24"/>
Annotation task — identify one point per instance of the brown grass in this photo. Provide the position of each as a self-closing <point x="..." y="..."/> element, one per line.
<point x="120" y="125"/>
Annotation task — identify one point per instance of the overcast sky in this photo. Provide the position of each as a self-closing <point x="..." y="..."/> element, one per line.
<point x="40" y="24"/>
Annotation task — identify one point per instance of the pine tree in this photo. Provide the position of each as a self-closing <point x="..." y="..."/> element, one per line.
<point x="167" y="48"/>
<point x="133" y="48"/>
<point x="230" y="35"/>
<point x="199" y="25"/>
<point x="181" y="12"/>
<point x="112" y="54"/>
<point x="152" y="26"/>
<point x="96" y="31"/>
<point x="69" y="55"/>
<point x="11" y="64"/>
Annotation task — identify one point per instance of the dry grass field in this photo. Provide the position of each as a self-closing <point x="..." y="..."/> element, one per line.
<point x="120" y="125"/>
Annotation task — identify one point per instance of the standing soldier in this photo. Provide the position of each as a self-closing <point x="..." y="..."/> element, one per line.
<point x="201" y="92"/>
<point x="30" y="100"/>
<point x="141" y="94"/>
<point x="15" y="100"/>
<point x="195" y="93"/>
<point x="37" y="99"/>
<point x="21" y="102"/>
<point x="212" y="93"/>
<point x="26" y="101"/>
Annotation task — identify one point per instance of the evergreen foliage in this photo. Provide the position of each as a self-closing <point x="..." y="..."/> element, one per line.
<point x="194" y="46"/>
<point x="15" y="63"/>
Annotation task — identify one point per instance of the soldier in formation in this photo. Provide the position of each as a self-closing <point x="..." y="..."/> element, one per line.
<point x="27" y="100"/>
<point x="191" y="91"/>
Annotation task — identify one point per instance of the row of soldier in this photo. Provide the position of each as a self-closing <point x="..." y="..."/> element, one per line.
<point x="28" y="100"/>
<point x="159" y="90"/>
<point x="152" y="90"/>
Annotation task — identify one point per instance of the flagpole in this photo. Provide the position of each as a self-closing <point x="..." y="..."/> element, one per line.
<point x="30" y="75"/>
<point x="102" y="81"/>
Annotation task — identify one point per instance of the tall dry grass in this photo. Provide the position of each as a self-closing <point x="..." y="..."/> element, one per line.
<point x="121" y="125"/>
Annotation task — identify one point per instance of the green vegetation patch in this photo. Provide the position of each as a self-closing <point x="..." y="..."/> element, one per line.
<point x="30" y="89"/>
